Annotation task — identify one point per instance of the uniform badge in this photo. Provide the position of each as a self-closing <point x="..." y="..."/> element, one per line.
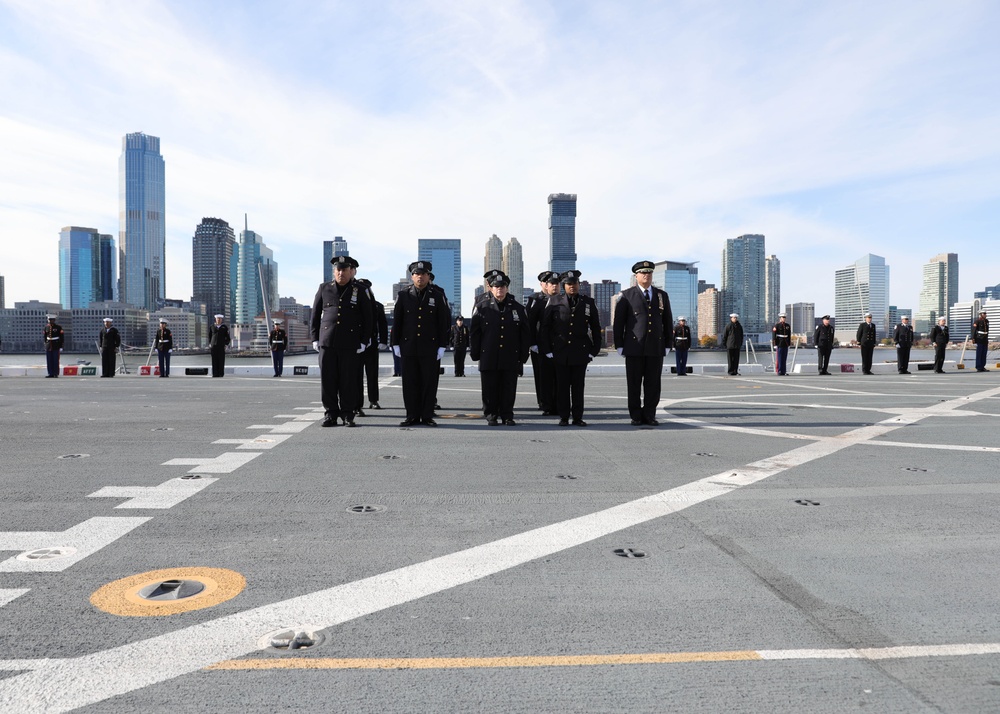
<point x="587" y="311"/>
<point x="430" y="302"/>
<point x="517" y="316"/>
<point x="661" y="302"/>
<point x="354" y="296"/>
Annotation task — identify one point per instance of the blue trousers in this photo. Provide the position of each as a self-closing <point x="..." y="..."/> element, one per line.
<point x="278" y="359"/>
<point x="52" y="362"/>
<point x="164" y="357"/>
<point x="681" y="359"/>
<point x="981" y="350"/>
<point x="782" y="353"/>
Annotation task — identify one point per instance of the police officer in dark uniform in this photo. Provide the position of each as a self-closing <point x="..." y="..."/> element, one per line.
<point x="277" y="341"/>
<point x="823" y="339"/>
<point x="54" y="339"/>
<point x="380" y="338"/>
<point x="437" y="375"/>
<point x="902" y="336"/>
<point x="642" y="323"/>
<point x="781" y="337"/>
<point x="981" y="336"/>
<point x="218" y="341"/>
<point x="108" y="341"/>
<point x="732" y="340"/>
<point x="542" y="369"/>
<point x="420" y="331"/>
<point x="682" y="343"/>
<point x="370" y="348"/>
<point x="939" y="338"/>
<point x="570" y="337"/>
<point x="341" y="328"/>
<point x="459" y="341"/>
<point x="164" y="343"/>
<point x="500" y="340"/>
<point x="866" y="338"/>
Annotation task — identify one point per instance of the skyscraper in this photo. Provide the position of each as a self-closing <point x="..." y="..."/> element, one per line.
<point x="709" y="306"/>
<point x="332" y="249"/>
<point x="3" y="297"/>
<point x="142" y="232"/>
<point x="743" y="282"/>
<point x="493" y="259"/>
<point x="802" y="318"/>
<point x="603" y="292"/>
<point x="861" y="287"/>
<point x="772" y="289"/>
<point x="939" y="291"/>
<point x="446" y="257"/>
<point x="680" y="280"/>
<point x="86" y="267"/>
<point x="250" y="289"/>
<point x="513" y="266"/>
<point x="992" y="292"/>
<point x="212" y="250"/>
<point x="562" y="232"/>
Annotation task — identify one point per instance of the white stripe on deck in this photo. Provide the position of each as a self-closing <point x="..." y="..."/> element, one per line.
<point x="288" y="427"/>
<point x="221" y="464"/>
<point x="166" y="495"/>
<point x="87" y="538"/>
<point x="10" y="594"/>
<point x="261" y="442"/>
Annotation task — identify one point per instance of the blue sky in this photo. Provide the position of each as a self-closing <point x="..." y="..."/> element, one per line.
<point x="835" y="129"/>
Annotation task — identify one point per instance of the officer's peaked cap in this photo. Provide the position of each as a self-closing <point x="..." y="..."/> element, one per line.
<point x="108" y="319"/>
<point x="827" y="317"/>
<point x="343" y="261"/>
<point x="419" y="266"/>
<point x="570" y="276"/>
<point x="548" y="276"/>
<point x="643" y="266"/>
<point x="51" y="317"/>
<point x="499" y="280"/>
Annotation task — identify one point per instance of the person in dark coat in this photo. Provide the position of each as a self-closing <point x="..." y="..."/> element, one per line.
<point x="643" y="321"/>
<point x="500" y="340"/>
<point x="682" y="343"/>
<point x="164" y="343"/>
<point x="866" y="338"/>
<point x="459" y="341"/>
<point x="781" y="337"/>
<point x="218" y="340"/>
<point x="420" y="331"/>
<point x="902" y="337"/>
<point x="543" y="370"/>
<point x="108" y="341"/>
<point x="277" y="342"/>
<point x="823" y="338"/>
<point x="732" y="340"/>
<point x="54" y="340"/>
<point x="981" y="337"/>
<point x="341" y="328"/>
<point x="939" y="338"/>
<point x="570" y="336"/>
<point x="380" y="338"/>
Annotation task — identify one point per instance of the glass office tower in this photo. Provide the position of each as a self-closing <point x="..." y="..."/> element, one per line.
<point x="250" y="290"/>
<point x="859" y="288"/>
<point x="743" y="283"/>
<point x="680" y="281"/>
<point x="562" y="232"/>
<point x="142" y="229"/>
<point x="212" y="250"/>
<point x="446" y="257"/>
<point x="332" y="249"/>
<point x="86" y="267"/>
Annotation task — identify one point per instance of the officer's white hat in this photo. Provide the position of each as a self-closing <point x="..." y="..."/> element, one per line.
<point x="163" y="321"/>
<point x="868" y="314"/>
<point x="277" y="322"/>
<point x="782" y="315"/>
<point x="733" y="314"/>
<point x="220" y="315"/>
<point x="50" y="317"/>
<point x="681" y="319"/>
<point x="108" y="319"/>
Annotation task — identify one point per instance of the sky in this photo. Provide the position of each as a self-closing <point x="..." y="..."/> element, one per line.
<point x="834" y="129"/>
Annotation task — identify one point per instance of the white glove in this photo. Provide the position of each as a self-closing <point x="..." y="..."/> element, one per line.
<point x="60" y="350"/>
<point x="381" y="346"/>
<point x="316" y="345"/>
<point x="440" y="353"/>
<point x="170" y="352"/>
<point x="621" y="350"/>
<point x="534" y="348"/>
<point x="395" y="350"/>
<point x="549" y="355"/>
<point x="361" y="349"/>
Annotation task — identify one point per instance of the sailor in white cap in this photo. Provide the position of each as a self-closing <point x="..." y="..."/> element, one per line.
<point x="218" y="340"/>
<point x="682" y="343"/>
<point x="108" y="342"/>
<point x="164" y="344"/>
<point x="54" y="339"/>
<point x="866" y="338"/>
<point x="732" y="340"/>
<point x="902" y="337"/>
<point x="781" y="338"/>
<point x="939" y="338"/>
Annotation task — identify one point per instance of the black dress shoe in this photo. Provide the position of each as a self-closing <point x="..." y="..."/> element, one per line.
<point x="492" y="421"/>
<point x="509" y="422"/>
<point x="429" y="422"/>
<point x="409" y="422"/>
<point x="652" y="422"/>
<point x="579" y="422"/>
<point x="349" y="422"/>
<point x="437" y="406"/>
<point x="868" y="373"/>
<point x="359" y="412"/>
<point x="564" y="422"/>
<point x="374" y="405"/>
<point x="330" y="421"/>
<point x="637" y="422"/>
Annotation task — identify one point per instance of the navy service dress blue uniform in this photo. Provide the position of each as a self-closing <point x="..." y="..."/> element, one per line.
<point x="732" y="340"/>
<point x="981" y="337"/>
<point x="866" y="338"/>
<point x="682" y="343"/>
<point x="218" y="340"/>
<point x="164" y="343"/>
<point x="54" y="340"/>
<point x="902" y="337"/>
<point x="642" y="322"/>
<point x="420" y="331"/>
<point x="570" y="338"/>
<point x="939" y="338"/>
<point x="277" y="342"/>
<point x="823" y="338"/>
<point x="781" y="337"/>
<point x="380" y="338"/>
<point x="341" y="327"/>
<point x="108" y="341"/>
<point x="500" y="341"/>
<point x="543" y="370"/>
<point x="459" y="341"/>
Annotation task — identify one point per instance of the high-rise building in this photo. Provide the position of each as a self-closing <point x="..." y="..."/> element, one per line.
<point x="992" y="308"/>
<point x="680" y="280"/>
<point x="513" y="266"/>
<point x="446" y="257"/>
<point x="939" y="291"/>
<point x="861" y="287"/>
<point x="256" y="277"/>
<point x="709" y="307"/>
<point x="703" y="286"/>
<point x="992" y="292"/>
<point x="493" y="258"/>
<point x="86" y="267"/>
<point x="603" y="292"/>
<point x="961" y="315"/>
<point x="772" y="289"/>
<point x="332" y="249"/>
<point x="562" y="232"/>
<point x="743" y="283"/>
<point x="142" y="235"/>
<point x="896" y="316"/>
<point x="3" y="296"/>
<point x="213" y="248"/>
<point x="802" y="318"/>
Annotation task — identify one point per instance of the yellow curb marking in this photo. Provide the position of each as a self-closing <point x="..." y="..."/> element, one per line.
<point x="121" y="597"/>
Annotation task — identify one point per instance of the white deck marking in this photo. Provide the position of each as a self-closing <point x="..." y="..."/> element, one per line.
<point x="311" y="416"/>
<point x="289" y="427"/>
<point x="95" y="677"/>
<point x="944" y="447"/>
<point x="261" y="442"/>
<point x="878" y="653"/>
<point x="87" y="537"/>
<point x="221" y="464"/>
<point x="13" y="665"/>
<point x="10" y="594"/>
<point x="166" y="495"/>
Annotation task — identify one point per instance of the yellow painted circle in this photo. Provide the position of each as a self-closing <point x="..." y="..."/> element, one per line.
<point x="121" y="597"/>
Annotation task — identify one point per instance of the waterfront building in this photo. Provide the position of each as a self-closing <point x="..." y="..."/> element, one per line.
<point x="513" y="266"/>
<point x="862" y="287"/>
<point x="213" y="251"/>
<point x="332" y="249"/>
<point x="744" y="281"/>
<point x="446" y="257"/>
<point x="709" y="319"/>
<point x="562" y="232"/>
<point x="604" y="291"/>
<point x="772" y="289"/>
<point x="250" y="292"/>
<point x="86" y="267"/>
<point x="939" y="290"/>
<point x="680" y="281"/>
<point x="802" y="318"/>
<point x="21" y="326"/>
<point x="142" y="232"/>
<point x="493" y="257"/>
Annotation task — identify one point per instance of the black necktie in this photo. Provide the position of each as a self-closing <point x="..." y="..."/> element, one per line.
<point x="645" y="294"/>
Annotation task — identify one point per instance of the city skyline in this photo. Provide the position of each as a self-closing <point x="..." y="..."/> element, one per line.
<point x="834" y="143"/>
